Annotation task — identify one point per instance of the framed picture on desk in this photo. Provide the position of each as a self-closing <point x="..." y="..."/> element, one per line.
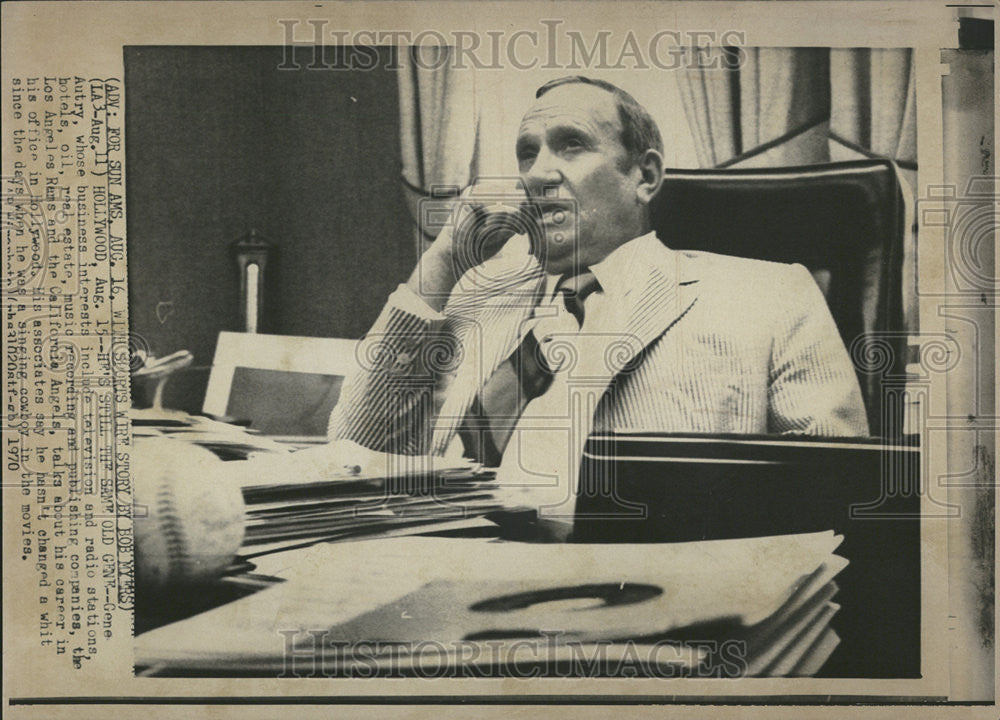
<point x="282" y="385"/>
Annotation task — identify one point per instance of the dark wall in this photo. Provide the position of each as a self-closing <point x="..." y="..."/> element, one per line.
<point x="219" y="141"/>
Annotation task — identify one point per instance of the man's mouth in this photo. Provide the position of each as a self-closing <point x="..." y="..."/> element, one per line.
<point x="551" y="211"/>
<point x="553" y="223"/>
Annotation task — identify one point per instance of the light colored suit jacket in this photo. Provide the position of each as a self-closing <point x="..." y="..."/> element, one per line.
<point x="700" y="343"/>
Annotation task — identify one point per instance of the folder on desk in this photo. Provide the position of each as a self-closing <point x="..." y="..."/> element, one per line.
<point x="759" y="606"/>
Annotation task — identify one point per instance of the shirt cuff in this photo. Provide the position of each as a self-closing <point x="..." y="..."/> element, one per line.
<point x="408" y="301"/>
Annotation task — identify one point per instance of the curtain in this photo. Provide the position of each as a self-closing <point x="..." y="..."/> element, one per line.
<point x="438" y="133"/>
<point x="873" y="111"/>
<point x="772" y="107"/>
<point x="782" y="106"/>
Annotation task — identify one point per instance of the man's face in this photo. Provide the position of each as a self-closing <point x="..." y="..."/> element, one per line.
<point x="575" y="169"/>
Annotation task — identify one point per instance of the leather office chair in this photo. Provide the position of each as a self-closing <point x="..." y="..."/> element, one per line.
<point x="843" y="221"/>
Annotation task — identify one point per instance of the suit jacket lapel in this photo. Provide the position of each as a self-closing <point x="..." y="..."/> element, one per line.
<point x="666" y="291"/>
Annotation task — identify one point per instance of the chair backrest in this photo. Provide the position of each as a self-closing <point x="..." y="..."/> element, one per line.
<point x="282" y="384"/>
<point x="843" y="221"/>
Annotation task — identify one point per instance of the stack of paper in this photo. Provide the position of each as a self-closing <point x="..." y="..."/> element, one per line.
<point x="336" y="490"/>
<point x="722" y="608"/>
<point x="363" y="505"/>
<point x="327" y="493"/>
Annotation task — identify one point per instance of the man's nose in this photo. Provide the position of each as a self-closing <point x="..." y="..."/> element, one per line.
<point x="543" y="178"/>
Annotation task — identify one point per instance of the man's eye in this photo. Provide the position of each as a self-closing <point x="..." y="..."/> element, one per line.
<point x="526" y="155"/>
<point x="573" y="144"/>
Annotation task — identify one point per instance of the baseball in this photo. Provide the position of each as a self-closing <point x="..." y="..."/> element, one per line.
<point x="189" y="514"/>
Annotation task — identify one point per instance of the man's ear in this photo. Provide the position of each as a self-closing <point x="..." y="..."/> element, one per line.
<point x="651" y="176"/>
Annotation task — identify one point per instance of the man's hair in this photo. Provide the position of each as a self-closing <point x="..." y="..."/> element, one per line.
<point x="639" y="130"/>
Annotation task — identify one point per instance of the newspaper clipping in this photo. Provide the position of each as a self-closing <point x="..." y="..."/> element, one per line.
<point x="499" y="359"/>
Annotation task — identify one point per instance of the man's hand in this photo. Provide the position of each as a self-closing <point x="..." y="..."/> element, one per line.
<point x="481" y="223"/>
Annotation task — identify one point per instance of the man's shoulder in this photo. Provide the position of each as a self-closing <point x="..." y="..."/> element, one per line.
<point x="739" y="287"/>
<point x="732" y="264"/>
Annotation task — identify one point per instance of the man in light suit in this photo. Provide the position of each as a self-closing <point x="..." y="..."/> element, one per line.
<point x="627" y="333"/>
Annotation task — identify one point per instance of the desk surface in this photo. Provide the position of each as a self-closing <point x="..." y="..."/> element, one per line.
<point x="693" y="610"/>
<point x="840" y="487"/>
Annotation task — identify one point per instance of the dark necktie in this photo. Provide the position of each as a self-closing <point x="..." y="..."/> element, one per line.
<point x="575" y="291"/>
<point x="524" y="376"/>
